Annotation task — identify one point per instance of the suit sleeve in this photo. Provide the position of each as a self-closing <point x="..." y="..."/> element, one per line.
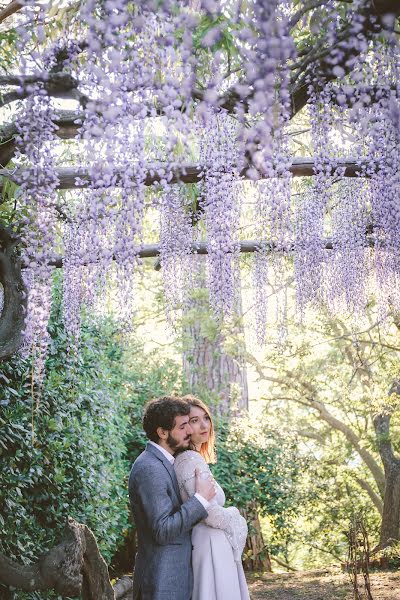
<point x="151" y="489"/>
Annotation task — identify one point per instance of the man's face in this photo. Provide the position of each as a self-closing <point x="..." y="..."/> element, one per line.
<point x="179" y="437"/>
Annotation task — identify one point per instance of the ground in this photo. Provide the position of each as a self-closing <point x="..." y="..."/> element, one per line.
<point x="320" y="585"/>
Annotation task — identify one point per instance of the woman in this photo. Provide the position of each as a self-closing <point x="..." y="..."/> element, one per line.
<point x="218" y="541"/>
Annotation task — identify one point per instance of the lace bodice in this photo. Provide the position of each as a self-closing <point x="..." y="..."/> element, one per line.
<point x="227" y="519"/>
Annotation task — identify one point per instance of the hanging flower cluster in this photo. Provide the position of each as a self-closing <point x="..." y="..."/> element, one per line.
<point x="348" y="262"/>
<point x="176" y="257"/>
<point x="385" y="181"/>
<point x="267" y="47"/>
<point x="38" y="197"/>
<point x="143" y="118"/>
<point x="220" y="203"/>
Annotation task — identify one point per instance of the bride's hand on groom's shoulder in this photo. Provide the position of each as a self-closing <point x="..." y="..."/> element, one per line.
<point x="204" y="487"/>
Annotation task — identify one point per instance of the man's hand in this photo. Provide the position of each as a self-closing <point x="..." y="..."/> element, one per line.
<point x="204" y="487"/>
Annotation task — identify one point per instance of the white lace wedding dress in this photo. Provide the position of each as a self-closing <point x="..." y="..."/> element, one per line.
<point x="218" y="541"/>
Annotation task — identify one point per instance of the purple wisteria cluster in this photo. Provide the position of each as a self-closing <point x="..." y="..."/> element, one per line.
<point x="38" y="197"/>
<point x="384" y="153"/>
<point x="220" y="202"/>
<point x="145" y="117"/>
<point x="337" y="221"/>
<point x="176" y="257"/>
<point x="310" y="253"/>
<point x="267" y="47"/>
<point x="348" y="263"/>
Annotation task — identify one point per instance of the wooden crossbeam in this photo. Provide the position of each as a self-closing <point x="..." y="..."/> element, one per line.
<point x="244" y="247"/>
<point x="78" y="177"/>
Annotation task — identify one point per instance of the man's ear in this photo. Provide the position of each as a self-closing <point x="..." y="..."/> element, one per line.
<point x="162" y="433"/>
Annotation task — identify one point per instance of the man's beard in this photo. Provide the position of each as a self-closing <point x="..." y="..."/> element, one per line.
<point x="175" y="445"/>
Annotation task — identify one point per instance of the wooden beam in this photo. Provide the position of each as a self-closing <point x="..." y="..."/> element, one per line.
<point x="10" y="9"/>
<point x="244" y="247"/>
<point x="300" y="167"/>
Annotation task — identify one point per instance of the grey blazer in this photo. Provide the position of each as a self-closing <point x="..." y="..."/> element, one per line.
<point x="163" y="569"/>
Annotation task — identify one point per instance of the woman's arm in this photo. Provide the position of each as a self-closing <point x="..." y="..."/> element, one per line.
<point x="227" y="519"/>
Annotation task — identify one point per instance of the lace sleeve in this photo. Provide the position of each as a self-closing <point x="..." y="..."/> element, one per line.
<point x="227" y="519"/>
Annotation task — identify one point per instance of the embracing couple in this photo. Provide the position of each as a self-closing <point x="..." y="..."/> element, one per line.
<point x="189" y="545"/>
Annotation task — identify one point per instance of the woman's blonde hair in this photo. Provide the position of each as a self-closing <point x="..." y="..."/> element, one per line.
<point x="207" y="449"/>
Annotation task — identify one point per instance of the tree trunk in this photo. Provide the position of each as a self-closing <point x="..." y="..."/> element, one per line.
<point x="218" y="377"/>
<point x="13" y="301"/>
<point x="256" y="556"/>
<point x="390" y="527"/>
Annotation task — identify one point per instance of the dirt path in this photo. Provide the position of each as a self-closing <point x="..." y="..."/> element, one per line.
<point x="320" y="585"/>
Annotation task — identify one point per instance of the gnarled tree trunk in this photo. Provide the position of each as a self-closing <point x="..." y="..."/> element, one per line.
<point x="74" y="567"/>
<point x="256" y="554"/>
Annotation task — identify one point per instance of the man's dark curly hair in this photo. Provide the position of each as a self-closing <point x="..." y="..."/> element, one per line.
<point x="162" y="412"/>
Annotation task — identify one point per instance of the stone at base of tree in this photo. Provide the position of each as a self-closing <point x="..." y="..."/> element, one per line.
<point x="75" y="567"/>
<point x="123" y="588"/>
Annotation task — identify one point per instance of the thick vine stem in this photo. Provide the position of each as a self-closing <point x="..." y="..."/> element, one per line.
<point x="14" y="305"/>
<point x="75" y="567"/>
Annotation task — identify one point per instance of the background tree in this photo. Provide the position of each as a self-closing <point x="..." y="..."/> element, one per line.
<point x="340" y="379"/>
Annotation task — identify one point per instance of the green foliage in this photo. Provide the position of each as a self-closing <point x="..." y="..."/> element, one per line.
<point x="327" y="384"/>
<point x="63" y="454"/>
<point x="8" y="41"/>
<point x="68" y="452"/>
<point x="225" y="30"/>
<point x="258" y="466"/>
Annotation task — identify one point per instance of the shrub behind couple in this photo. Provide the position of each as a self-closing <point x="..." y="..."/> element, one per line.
<point x="189" y="545"/>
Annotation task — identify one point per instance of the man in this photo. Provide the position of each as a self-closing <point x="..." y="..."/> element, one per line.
<point x="163" y="568"/>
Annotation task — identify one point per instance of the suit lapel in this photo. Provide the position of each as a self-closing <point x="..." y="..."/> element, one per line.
<point x="170" y="468"/>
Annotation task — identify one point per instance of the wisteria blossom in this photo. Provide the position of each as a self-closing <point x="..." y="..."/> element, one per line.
<point x="159" y="99"/>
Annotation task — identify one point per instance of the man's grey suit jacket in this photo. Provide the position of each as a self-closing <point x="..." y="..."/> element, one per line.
<point x="163" y="569"/>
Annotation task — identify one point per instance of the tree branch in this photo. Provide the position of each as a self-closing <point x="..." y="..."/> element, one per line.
<point x="382" y="430"/>
<point x="10" y="9"/>
<point x="310" y="399"/>
<point x="304" y="10"/>
<point x="58" y="85"/>
<point x="299" y="87"/>
<point x="244" y="246"/>
<point x="376" y="500"/>
<point x="283" y="564"/>
<point x="330" y="552"/>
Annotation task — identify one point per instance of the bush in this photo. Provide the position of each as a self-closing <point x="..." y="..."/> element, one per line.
<point x="68" y="453"/>
<point x="258" y="466"/>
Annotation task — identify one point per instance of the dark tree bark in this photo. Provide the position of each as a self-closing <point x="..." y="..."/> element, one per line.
<point x="383" y="7"/>
<point x="390" y="526"/>
<point x="14" y="304"/>
<point x="10" y="9"/>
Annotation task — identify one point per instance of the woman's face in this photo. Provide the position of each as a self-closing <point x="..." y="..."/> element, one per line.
<point x="201" y="425"/>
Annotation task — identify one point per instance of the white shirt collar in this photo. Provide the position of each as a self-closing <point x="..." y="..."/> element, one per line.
<point x="167" y="454"/>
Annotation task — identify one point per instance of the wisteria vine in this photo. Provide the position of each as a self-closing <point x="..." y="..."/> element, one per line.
<point x="145" y="117"/>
